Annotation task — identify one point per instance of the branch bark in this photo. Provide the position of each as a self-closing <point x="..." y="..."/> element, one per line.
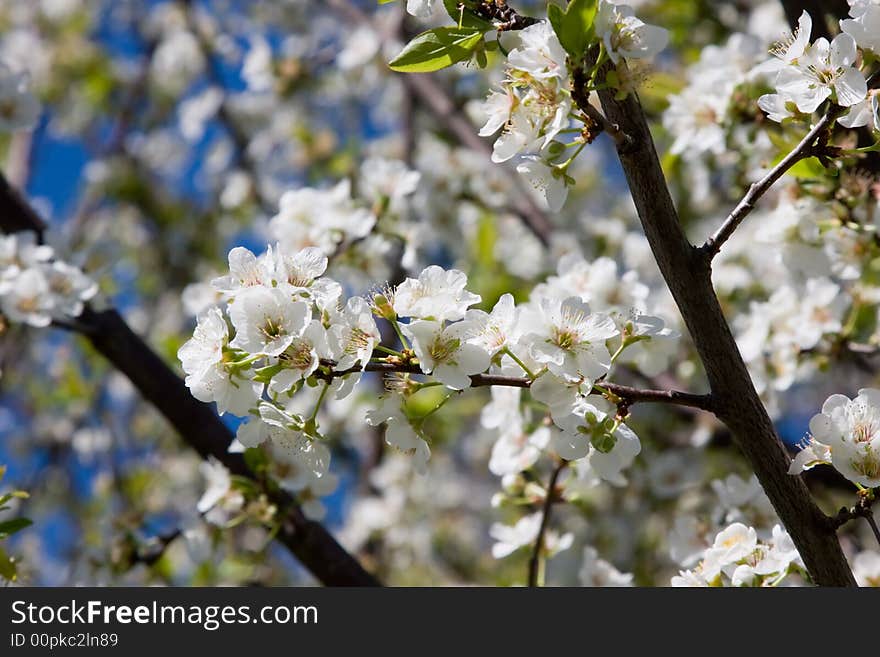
<point x="195" y="421"/>
<point x="628" y="395"/>
<point x="736" y="403"/>
<point x="537" y="557"/>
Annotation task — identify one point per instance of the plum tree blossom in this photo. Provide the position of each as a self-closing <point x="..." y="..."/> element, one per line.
<point x="36" y="287"/>
<point x="568" y="339"/>
<point x="574" y="288"/>
<point x="845" y="434"/>
<point x="436" y="295"/>
<point x="445" y="352"/>
<point x="624" y="35"/>
<point x="811" y="73"/>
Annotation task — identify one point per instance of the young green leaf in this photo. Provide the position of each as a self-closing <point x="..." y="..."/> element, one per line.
<point x="461" y="11"/>
<point x="436" y="49"/>
<point x="7" y="567"/>
<point x="15" y="525"/>
<point x="574" y="25"/>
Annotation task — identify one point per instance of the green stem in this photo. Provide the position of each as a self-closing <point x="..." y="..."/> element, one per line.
<point x="400" y="335"/>
<point x="516" y="359"/>
<point x="616" y="354"/>
<point x="386" y="350"/>
<point x="564" y="166"/>
<point x="320" y="402"/>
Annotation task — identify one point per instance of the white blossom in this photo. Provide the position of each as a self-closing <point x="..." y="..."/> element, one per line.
<point x="624" y="35"/>
<point x="266" y="320"/>
<point x="445" y="352"/>
<point x="850" y="428"/>
<point x="437" y="294"/>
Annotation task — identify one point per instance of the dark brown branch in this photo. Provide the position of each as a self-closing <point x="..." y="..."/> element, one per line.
<point x="807" y="148"/>
<point x="581" y="97"/>
<point x="735" y="401"/>
<point x="627" y="395"/>
<point x="550" y="499"/>
<point x="16" y="214"/>
<point x="861" y="509"/>
<point x="505" y="17"/>
<point x="196" y="422"/>
<point x="636" y="396"/>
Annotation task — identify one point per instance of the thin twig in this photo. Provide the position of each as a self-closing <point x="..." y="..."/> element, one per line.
<point x="626" y="395"/>
<point x="549" y="499"/>
<point x="861" y="509"/>
<point x="805" y="149"/>
<point x="873" y="523"/>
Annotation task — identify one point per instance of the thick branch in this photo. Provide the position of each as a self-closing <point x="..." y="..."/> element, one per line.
<point x="735" y="401"/>
<point x="195" y="421"/>
<point x="805" y="149"/>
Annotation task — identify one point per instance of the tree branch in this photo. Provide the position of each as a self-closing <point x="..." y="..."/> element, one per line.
<point x="195" y="421"/>
<point x="549" y="499"/>
<point x="861" y="509"/>
<point x="805" y="149"/>
<point x="735" y="401"/>
<point x="626" y="394"/>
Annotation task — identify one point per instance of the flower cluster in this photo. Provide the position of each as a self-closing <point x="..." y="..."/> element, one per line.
<point x="285" y="327"/>
<point x="533" y="108"/>
<point x="811" y="73"/>
<point x="846" y="435"/>
<point x="36" y="287"/>
<point x="699" y="117"/>
<point x="281" y="320"/>
<point x="738" y="558"/>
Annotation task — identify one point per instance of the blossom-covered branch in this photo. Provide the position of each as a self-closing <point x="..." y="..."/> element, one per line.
<point x="196" y="422"/>
<point x="738" y="405"/>
<point x="432" y="96"/>
<point x="621" y="394"/>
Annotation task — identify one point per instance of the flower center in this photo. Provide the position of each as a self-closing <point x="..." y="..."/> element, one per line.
<point x="272" y="328"/>
<point x="442" y="350"/>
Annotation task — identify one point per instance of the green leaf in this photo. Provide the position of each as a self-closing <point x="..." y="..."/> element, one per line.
<point x="7" y="567"/>
<point x="15" y="525"/>
<point x="385" y="2"/>
<point x="461" y="11"/>
<point x="808" y="168"/>
<point x="574" y="25"/>
<point x="436" y="49"/>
